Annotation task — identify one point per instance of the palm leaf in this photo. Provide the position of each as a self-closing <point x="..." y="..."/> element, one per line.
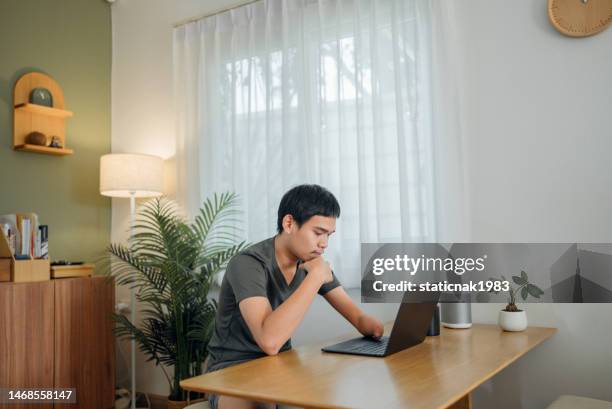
<point x="171" y="264"/>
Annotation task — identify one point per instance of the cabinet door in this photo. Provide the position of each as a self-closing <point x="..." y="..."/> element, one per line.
<point x="84" y="341"/>
<point x="26" y="338"/>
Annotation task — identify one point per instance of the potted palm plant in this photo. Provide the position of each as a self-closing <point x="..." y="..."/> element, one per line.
<point x="171" y="264"/>
<point x="512" y="318"/>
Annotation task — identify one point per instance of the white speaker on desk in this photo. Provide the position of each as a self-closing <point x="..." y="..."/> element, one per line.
<point x="457" y="315"/>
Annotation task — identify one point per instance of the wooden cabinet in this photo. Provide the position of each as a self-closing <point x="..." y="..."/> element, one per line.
<point x="26" y="337"/>
<point x="84" y="340"/>
<point x="58" y="334"/>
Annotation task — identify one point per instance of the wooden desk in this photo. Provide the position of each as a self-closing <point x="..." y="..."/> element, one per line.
<point x="439" y="373"/>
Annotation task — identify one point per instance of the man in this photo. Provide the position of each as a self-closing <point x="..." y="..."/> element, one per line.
<point x="268" y="288"/>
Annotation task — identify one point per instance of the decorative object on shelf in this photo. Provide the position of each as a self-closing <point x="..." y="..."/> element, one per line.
<point x="32" y="113"/>
<point x="56" y="142"/>
<point x="580" y="18"/>
<point x="512" y="318"/>
<point x="41" y="96"/>
<point x="36" y="138"/>
<point x="173" y="263"/>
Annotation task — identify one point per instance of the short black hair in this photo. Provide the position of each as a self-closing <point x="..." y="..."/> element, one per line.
<point x="304" y="201"/>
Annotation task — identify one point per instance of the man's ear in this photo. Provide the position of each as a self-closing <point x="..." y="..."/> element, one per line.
<point x="289" y="224"/>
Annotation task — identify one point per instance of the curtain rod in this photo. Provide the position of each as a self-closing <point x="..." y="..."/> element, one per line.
<point x="194" y="19"/>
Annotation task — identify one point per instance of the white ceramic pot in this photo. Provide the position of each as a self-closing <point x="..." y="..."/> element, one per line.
<point x="513" y="321"/>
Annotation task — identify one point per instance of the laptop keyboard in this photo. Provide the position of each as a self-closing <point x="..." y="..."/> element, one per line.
<point x="364" y="345"/>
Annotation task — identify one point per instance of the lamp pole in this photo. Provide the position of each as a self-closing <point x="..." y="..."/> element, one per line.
<point x="131" y="175"/>
<point x="133" y="302"/>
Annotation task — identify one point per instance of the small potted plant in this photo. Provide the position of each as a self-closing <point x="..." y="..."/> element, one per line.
<point x="512" y="318"/>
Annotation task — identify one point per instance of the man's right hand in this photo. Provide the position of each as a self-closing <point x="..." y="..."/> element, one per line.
<point x="319" y="268"/>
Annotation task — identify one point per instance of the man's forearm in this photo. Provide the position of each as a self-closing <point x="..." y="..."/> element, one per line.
<point x="279" y="325"/>
<point x="340" y="300"/>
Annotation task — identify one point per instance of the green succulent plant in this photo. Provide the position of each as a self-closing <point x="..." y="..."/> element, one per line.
<point x="524" y="286"/>
<point x="171" y="264"/>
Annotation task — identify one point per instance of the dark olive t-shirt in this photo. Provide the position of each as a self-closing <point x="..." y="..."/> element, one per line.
<point x="251" y="273"/>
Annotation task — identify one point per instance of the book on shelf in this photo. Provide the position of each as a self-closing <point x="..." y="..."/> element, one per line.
<point x="43" y="231"/>
<point x="24" y="228"/>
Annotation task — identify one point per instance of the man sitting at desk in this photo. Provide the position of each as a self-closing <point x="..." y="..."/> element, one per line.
<point x="268" y="287"/>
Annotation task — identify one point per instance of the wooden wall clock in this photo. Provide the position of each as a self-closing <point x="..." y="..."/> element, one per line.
<point x="580" y="18"/>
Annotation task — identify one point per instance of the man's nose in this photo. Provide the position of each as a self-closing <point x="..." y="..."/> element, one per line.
<point x="323" y="243"/>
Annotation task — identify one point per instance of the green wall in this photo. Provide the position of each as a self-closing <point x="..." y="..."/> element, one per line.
<point x="70" y="40"/>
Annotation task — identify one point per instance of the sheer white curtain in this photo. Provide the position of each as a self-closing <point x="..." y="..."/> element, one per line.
<point x="335" y="92"/>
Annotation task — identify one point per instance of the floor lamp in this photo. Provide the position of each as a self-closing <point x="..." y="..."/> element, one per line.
<point x="131" y="176"/>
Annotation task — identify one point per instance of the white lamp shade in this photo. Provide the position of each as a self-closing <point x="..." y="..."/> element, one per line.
<point x="129" y="174"/>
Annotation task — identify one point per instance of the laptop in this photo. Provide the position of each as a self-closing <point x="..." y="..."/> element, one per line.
<point x="409" y="329"/>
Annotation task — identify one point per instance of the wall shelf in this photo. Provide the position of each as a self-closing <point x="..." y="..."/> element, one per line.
<point x="42" y="110"/>
<point x="43" y="149"/>
<point x="28" y="117"/>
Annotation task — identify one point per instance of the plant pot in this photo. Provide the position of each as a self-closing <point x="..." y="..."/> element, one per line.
<point x="180" y="404"/>
<point x="513" y="320"/>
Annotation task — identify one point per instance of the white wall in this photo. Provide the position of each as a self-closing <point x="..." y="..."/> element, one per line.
<point x="142" y="114"/>
<point x="537" y="110"/>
